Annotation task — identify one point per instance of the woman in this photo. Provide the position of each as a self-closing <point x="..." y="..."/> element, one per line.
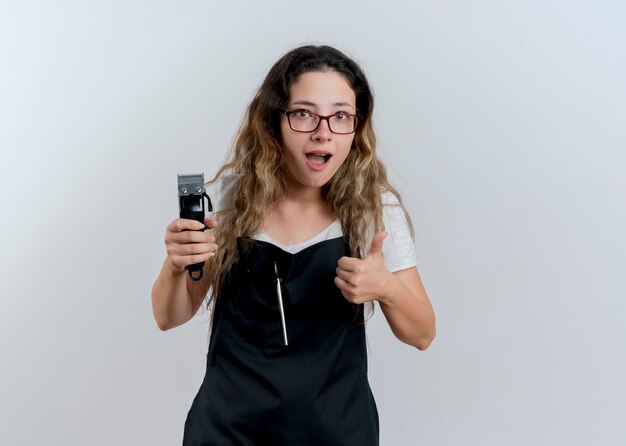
<point x="309" y="231"/>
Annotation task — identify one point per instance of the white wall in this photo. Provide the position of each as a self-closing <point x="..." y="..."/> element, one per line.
<point x="502" y="123"/>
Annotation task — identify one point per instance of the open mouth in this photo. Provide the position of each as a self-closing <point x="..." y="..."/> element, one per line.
<point x="318" y="158"/>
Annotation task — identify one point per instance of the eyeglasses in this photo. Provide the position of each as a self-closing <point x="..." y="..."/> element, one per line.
<point x="305" y="121"/>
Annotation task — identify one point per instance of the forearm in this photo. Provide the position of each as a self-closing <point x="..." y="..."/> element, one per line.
<point x="408" y="310"/>
<point x="174" y="300"/>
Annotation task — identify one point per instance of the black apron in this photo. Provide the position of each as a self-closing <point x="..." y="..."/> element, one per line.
<point x="256" y="390"/>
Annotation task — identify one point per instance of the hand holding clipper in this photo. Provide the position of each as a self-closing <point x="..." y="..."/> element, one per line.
<point x="191" y="195"/>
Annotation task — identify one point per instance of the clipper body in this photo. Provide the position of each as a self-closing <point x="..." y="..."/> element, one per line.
<point x="191" y="195"/>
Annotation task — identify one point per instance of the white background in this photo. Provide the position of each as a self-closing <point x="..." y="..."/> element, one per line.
<point x="502" y="124"/>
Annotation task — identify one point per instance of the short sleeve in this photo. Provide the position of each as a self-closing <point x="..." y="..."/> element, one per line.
<point x="399" y="246"/>
<point x="220" y="191"/>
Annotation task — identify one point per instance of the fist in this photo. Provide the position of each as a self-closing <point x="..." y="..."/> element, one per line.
<point x="186" y="243"/>
<point x="363" y="280"/>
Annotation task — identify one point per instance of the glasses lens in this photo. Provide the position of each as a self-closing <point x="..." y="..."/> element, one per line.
<point x="306" y="121"/>
<point x="303" y="121"/>
<point x="342" y="123"/>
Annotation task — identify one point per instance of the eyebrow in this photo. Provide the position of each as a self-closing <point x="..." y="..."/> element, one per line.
<point x="311" y="104"/>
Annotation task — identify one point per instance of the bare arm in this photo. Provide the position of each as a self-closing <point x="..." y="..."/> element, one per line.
<point x="407" y="308"/>
<point x="401" y="295"/>
<point x="175" y="297"/>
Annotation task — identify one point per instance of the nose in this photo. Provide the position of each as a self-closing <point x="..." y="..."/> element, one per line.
<point x="322" y="132"/>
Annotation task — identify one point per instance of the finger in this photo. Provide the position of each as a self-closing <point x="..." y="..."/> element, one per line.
<point x="183" y="224"/>
<point x="342" y="285"/>
<point x="184" y="255"/>
<point x="376" y="248"/>
<point x="191" y="260"/>
<point x="195" y="249"/>
<point x="348" y="263"/>
<point x="343" y="274"/>
<point x="189" y="237"/>
<point x="196" y="237"/>
<point x="179" y="262"/>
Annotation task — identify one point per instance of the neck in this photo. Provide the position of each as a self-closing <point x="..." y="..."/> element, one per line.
<point x="301" y="213"/>
<point x="305" y="196"/>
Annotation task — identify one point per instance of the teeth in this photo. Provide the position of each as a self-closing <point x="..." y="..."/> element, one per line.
<point x="325" y="155"/>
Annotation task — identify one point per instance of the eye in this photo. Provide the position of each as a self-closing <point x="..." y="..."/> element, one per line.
<point x="301" y="114"/>
<point x="342" y="116"/>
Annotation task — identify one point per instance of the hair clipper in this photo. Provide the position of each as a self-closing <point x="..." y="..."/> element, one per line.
<point x="191" y="195"/>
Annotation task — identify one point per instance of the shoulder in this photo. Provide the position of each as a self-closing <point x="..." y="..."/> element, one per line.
<point x="388" y="198"/>
<point x="394" y="214"/>
<point x="399" y="246"/>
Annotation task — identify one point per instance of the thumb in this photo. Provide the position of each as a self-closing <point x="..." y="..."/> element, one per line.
<point x="376" y="248"/>
<point x="210" y="223"/>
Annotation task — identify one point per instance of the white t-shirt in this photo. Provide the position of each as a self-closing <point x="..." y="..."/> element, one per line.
<point x="398" y="246"/>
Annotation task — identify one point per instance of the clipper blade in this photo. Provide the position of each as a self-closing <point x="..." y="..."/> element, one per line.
<point x="191" y="184"/>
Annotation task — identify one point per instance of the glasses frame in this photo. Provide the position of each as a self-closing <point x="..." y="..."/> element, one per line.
<point x="321" y="118"/>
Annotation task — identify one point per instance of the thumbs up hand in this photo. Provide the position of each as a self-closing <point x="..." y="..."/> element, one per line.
<point x="363" y="280"/>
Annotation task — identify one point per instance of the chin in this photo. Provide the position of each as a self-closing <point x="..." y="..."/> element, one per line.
<point x="316" y="184"/>
<point x="321" y="182"/>
<point x="315" y="180"/>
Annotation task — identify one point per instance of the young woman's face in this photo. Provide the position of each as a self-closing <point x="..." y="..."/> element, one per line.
<point x="313" y="158"/>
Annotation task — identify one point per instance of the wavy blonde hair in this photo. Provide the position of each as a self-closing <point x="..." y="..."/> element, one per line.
<point x="353" y="194"/>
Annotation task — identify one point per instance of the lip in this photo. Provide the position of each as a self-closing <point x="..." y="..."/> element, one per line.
<point x="319" y="152"/>
<point x="314" y="166"/>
